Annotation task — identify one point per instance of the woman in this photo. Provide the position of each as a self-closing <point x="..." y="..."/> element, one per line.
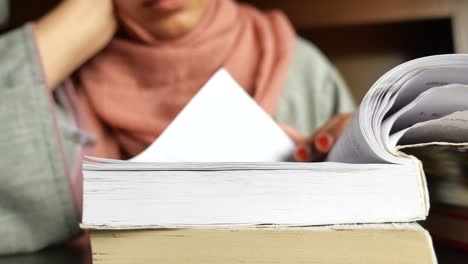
<point x="128" y="68"/>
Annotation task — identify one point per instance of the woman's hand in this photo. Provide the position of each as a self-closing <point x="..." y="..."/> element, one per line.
<point x="71" y="34"/>
<point x="317" y="146"/>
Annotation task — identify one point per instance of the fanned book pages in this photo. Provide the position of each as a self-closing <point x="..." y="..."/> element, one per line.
<point x="367" y="179"/>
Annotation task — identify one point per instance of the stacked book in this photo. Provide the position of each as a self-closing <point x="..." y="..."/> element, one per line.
<point x="447" y="173"/>
<point x="216" y="186"/>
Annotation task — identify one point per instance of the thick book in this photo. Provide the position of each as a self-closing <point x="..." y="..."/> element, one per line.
<point x="383" y="244"/>
<point x="367" y="178"/>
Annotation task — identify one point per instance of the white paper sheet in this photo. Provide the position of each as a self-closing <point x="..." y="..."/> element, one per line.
<point x="222" y="123"/>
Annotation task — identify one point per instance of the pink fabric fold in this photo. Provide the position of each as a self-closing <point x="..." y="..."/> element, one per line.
<point x="132" y="90"/>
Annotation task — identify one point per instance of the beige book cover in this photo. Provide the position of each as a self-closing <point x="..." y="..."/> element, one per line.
<point x="383" y="244"/>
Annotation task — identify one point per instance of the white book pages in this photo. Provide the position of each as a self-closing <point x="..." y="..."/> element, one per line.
<point x="429" y="105"/>
<point x="450" y="129"/>
<point x="367" y="141"/>
<point x="308" y="194"/>
<point x="430" y="76"/>
<point x="221" y="123"/>
<point x="338" y="227"/>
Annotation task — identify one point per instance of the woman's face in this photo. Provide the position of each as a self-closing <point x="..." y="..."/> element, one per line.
<point x="165" y="19"/>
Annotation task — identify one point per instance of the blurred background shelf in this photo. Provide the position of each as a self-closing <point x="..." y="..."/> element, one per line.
<point x="306" y="14"/>
<point x="363" y="38"/>
<point x="366" y="38"/>
<point x="338" y="13"/>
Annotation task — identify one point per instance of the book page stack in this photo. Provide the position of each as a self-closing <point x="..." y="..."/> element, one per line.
<point x="216" y="186"/>
<point x="446" y="170"/>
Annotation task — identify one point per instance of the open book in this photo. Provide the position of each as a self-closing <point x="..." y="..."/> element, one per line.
<point x="367" y="178"/>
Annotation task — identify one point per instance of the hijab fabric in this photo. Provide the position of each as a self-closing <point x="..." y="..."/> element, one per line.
<point x="130" y="92"/>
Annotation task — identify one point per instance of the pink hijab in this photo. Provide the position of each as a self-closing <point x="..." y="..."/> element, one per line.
<point x="131" y="91"/>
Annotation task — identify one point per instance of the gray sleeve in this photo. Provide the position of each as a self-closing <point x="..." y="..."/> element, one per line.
<point x="36" y="208"/>
<point x="313" y="92"/>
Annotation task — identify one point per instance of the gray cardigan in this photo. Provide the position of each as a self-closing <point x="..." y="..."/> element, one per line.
<point x="38" y="141"/>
